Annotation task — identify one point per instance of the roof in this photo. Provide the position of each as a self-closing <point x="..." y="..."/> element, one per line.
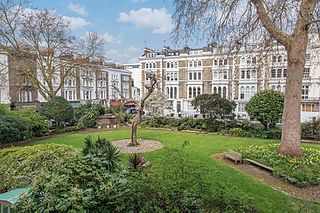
<point x="13" y="195"/>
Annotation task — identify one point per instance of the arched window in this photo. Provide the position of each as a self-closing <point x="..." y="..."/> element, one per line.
<point x="199" y="63"/>
<point x="190" y="63"/>
<point x="219" y="91"/>
<point x="195" y="64"/>
<point x="195" y="76"/>
<point x="175" y="92"/>
<point x="220" y="62"/>
<point x="243" y="74"/>
<point x="247" y="92"/>
<point x="279" y="73"/>
<point x="225" y="62"/>
<point x="224" y="92"/>
<point x="242" y="92"/>
<point x="168" y="65"/>
<point x="253" y="91"/>
<point x="199" y="75"/>
<point x="175" y="64"/>
<point x="215" y="62"/>
<point x="190" y="75"/>
<point x="194" y="92"/>
<point x="274" y="58"/>
<point x="215" y="74"/>
<point x="175" y="76"/>
<point x="280" y="58"/>
<point x="225" y="75"/>
<point x="214" y="90"/>
<point x="168" y="92"/>
<point x="273" y="87"/>
<point x="171" y="92"/>
<point x="254" y="60"/>
<point x="190" y="92"/>
<point x="199" y="91"/>
<point x="278" y="88"/>
<point x="147" y="65"/>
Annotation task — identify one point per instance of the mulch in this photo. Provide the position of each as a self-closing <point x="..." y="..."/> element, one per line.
<point x="145" y="145"/>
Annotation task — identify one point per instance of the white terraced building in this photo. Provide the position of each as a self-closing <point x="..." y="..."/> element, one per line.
<point x="185" y="73"/>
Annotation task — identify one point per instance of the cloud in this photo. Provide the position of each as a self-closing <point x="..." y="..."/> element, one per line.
<point x="111" y="39"/>
<point x="159" y="20"/>
<point x="128" y="55"/>
<point x="76" y="22"/>
<point x="78" y="9"/>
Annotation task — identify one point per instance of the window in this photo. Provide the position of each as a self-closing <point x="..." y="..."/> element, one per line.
<point x="219" y="91"/>
<point x="273" y="73"/>
<point x="175" y="76"/>
<point x="215" y="75"/>
<point x="224" y="92"/>
<point x="306" y="72"/>
<point x="253" y="74"/>
<point x="225" y="62"/>
<point x="254" y="60"/>
<point x="190" y="75"/>
<point x="225" y="75"/>
<point x="175" y="92"/>
<point x="171" y="92"/>
<point x="214" y="90"/>
<point x="195" y="64"/>
<point x="305" y="92"/>
<point x="241" y="107"/>
<point x="194" y="92"/>
<point x="147" y="65"/>
<point x="279" y="73"/>
<point x="168" y="65"/>
<point x="247" y="92"/>
<point x="280" y="58"/>
<point x="199" y="75"/>
<point x="253" y="91"/>
<point x="273" y="87"/>
<point x="190" y="92"/>
<point x="274" y="59"/>
<point x="215" y="62"/>
<point x="243" y="74"/>
<point x="190" y="63"/>
<point x="220" y="62"/>
<point x="248" y="74"/>
<point x="199" y="91"/>
<point x="284" y="73"/>
<point x="242" y="93"/>
<point x="168" y="92"/>
<point x="199" y="63"/>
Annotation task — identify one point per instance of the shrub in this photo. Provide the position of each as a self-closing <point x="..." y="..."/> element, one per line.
<point x="37" y="124"/>
<point x="88" y="113"/>
<point x="21" y="165"/>
<point x="82" y="109"/>
<point x="311" y="130"/>
<point x="58" y="109"/>
<point x="66" y="130"/>
<point x="304" y="170"/>
<point x="13" y="129"/>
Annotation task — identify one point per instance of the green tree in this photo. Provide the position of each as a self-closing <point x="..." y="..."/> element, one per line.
<point x="266" y="106"/>
<point x="213" y="105"/>
<point x="58" y="109"/>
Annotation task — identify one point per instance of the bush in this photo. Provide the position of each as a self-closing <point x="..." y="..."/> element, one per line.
<point x="21" y="165"/>
<point x="13" y="129"/>
<point x="311" y="130"/>
<point x="66" y="130"/>
<point x="37" y="124"/>
<point x="58" y="109"/>
<point x="82" y="109"/>
<point x="304" y="170"/>
<point x="88" y="113"/>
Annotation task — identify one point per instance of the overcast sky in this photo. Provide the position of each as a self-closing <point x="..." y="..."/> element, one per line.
<point x="126" y="24"/>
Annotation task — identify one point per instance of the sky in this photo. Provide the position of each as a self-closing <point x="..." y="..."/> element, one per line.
<point x="126" y="25"/>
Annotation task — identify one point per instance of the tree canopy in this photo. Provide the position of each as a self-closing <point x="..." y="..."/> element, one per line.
<point x="214" y="105"/>
<point x="266" y="106"/>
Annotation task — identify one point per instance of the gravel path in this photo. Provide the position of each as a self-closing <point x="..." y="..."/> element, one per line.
<point x="145" y="145"/>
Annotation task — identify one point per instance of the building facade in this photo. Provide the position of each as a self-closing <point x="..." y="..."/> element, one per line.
<point x="91" y="81"/>
<point x="186" y="73"/>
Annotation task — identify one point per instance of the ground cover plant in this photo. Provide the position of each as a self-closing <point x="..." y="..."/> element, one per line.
<point x="266" y="199"/>
<point x="304" y="170"/>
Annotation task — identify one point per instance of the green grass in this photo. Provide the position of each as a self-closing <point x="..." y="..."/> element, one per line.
<point x="266" y="199"/>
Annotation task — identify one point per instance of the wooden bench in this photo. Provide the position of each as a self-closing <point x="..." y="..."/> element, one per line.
<point x="256" y="163"/>
<point x="232" y="155"/>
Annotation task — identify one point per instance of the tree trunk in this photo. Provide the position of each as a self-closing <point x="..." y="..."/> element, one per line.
<point x="134" y="126"/>
<point x="291" y="118"/>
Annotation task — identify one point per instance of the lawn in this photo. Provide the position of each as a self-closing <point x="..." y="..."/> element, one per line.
<point x="266" y="199"/>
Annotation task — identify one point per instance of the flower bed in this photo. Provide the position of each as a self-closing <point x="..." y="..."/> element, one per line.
<point x="302" y="171"/>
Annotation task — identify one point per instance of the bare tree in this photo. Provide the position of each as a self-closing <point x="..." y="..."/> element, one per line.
<point x="47" y="37"/>
<point x="260" y="21"/>
<point x="150" y="88"/>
